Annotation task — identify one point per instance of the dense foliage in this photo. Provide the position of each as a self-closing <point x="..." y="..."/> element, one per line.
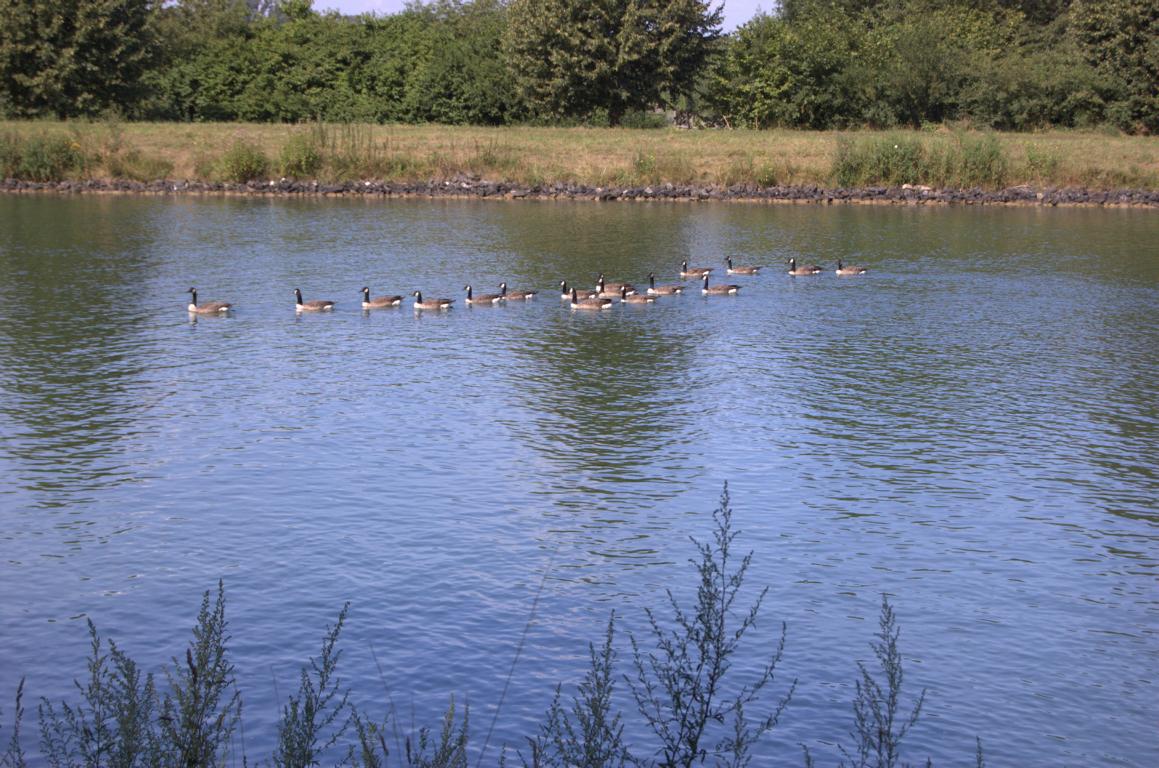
<point x="1006" y="64"/>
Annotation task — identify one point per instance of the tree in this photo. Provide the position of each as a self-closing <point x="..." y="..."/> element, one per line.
<point x="572" y="58"/>
<point x="1121" y="39"/>
<point x="71" y="58"/>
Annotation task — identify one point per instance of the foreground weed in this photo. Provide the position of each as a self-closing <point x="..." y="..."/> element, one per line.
<point x="680" y="686"/>
<point x="448" y="750"/>
<point x="879" y="723"/>
<point x="204" y="706"/>
<point x="316" y="712"/>
<point x="112" y="724"/>
<point x="13" y="755"/>
<point x="591" y="734"/>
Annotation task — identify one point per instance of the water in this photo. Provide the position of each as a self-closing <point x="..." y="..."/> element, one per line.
<point x="971" y="428"/>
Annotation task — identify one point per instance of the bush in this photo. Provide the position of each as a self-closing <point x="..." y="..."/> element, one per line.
<point x="301" y="157"/>
<point x="963" y="160"/>
<point x="244" y="162"/>
<point x="44" y="157"/>
<point x="136" y="166"/>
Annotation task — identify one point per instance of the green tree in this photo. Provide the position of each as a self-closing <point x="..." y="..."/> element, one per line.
<point x="803" y="73"/>
<point x="572" y="58"/>
<point x="1121" y="39"/>
<point x="73" y="57"/>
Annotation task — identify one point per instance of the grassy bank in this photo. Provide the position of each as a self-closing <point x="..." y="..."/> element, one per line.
<point x="942" y="158"/>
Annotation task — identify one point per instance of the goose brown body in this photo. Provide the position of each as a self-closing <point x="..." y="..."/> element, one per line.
<point x="731" y="270"/>
<point x="314" y="305"/>
<point x="209" y="307"/>
<point x="379" y="302"/>
<point x="481" y="299"/>
<point x="431" y="303"/>
<point x="635" y="298"/>
<point x="506" y="295"/>
<point x="566" y="294"/>
<point x="592" y="303"/>
<point x="852" y="269"/>
<point x="607" y="290"/>
<point x="718" y="290"/>
<point x="693" y="272"/>
<point x="804" y="270"/>
<point x="662" y="290"/>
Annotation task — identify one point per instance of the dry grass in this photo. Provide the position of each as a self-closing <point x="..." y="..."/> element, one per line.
<point x="602" y="157"/>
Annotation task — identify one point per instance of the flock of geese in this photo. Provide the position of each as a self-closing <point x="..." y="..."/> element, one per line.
<point x="603" y="296"/>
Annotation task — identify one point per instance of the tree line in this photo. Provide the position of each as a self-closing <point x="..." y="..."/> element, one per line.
<point x="818" y="64"/>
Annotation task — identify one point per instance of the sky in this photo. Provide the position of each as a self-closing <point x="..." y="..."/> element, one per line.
<point x="736" y="12"/>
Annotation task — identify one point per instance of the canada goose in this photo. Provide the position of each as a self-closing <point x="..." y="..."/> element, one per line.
<point x="691" y="272"/>
<point x="662" y="290"/>
<point x="807" y="269"/>
<point x="611" y="290"/>
<point x="731" y="270"/>
<point x="592" y="303"/>
<point x="635" y="298"/>
<point x="379" y="302"/>
<point x="209" y="307"/>
<point x="566" y="295"/>
<point x="515" y="295"/>
<point x="482" y="299"/>
<point x="718" y="290"/>
<point x="431" y="303"/>
<point x="850" y="270"/>
<point x="314" y="305"/>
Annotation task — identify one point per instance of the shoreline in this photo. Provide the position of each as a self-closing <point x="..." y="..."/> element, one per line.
<point x="467" y="187"/>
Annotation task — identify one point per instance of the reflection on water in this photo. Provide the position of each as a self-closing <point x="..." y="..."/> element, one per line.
<point x="74" y="345"/>
<point x="971" y="427"/>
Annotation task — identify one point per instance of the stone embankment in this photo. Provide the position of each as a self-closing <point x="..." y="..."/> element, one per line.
<point x="470" y="187"/>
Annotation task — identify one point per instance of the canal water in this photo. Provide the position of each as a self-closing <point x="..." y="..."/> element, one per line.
<point x="971" y="428"/>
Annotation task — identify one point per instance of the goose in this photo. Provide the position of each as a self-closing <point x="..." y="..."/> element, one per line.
<point x="731" y="270"/>
<point x="379" y="301"/>
<point x="515" y="295"/>
<point x="566" y="295"/>
<point x="314" y="305"/>
<point x="850" y="270"/>
<point x="635" y="298"/>
<point x="592" y="303"/>
<point x="483" y="299"/>
<point x="209" y="307"/>
<point x="662" y="290"/>
<point x="718" y="290"/>
<point x="691" y="272"/>
<point x="431" y="303"/>
<point x="611" y="290"/>
<point x="807" y="269"/>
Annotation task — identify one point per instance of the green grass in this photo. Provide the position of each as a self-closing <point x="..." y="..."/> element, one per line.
<point x="941" y="157"/>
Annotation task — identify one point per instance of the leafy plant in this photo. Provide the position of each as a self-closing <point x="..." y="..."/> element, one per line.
<point x="112" y="724"/>
<point x="244" y="162"/>
<point x="300" y="157"/>
<point x="879" y="724"/>
<point x="203" y="706"/>
<point x="591" y="734"/>
<point x="681" y="687"/>
<point x="13" y="755"/>
<point x="315" y="713"/>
